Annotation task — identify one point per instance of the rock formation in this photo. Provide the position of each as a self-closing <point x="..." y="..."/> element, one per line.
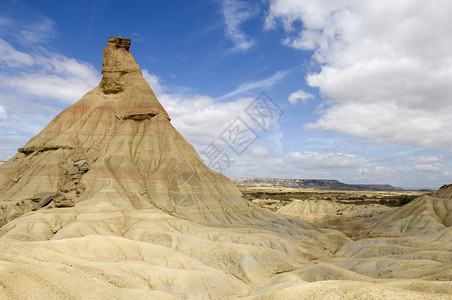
<point x="117" y="147"/>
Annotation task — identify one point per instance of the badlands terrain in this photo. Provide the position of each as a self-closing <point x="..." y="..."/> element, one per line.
<point x="109" y="201"/>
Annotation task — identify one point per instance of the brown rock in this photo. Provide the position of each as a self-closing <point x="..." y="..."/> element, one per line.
<point x="70" y="186"/>
<point x="81" y="187"/>
<point x="39" y="196"/>
<point x="80" y="163"/>
<point x="61" y="201"/>
<point x="72" y="170"/>
<point x="44" y="201"/>
<point x="75" y="179"/>
<point x="83" y="169"/>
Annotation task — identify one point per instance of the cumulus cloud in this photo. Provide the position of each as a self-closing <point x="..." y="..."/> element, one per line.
<point x="200" y="118"/>
<point x="46" y="74"/>
<point x="299" y="95"/>
<point x="385" y="66"/>
<point x="192" y="113"/>
<point x="203" y="120"/>
<point x="235" y="13"/>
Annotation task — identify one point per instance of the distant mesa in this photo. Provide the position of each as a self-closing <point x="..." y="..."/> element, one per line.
<point x="321" y="184"/>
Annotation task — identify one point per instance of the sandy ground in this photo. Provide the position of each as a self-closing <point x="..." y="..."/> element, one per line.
<point x="71" y="253"/>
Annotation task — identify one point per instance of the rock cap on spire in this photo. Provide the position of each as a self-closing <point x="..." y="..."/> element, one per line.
<point x="119" y="42"/>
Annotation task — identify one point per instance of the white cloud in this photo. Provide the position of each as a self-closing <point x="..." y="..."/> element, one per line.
<point x="235" y="13"/>
<point x="35" y="84"/>
<point x="37" y="31"/>
<point x="313" y="165"/>
<point x="385" y="65"/>
<point x="259" y="150"/>
<point x="46" y="74"/>
<point x="299" y="95"/>
<point x="434" y="167"/>
<point x="3" y="115"/>
<point x="314" y="160"/>
<point x="200" y="118"/>
<point x="257" y="85"/>
<point x="425" y="159"/>
<point x="334" y="165"/>
<point x="154" y="82"/>
<point x="13" y="58"/>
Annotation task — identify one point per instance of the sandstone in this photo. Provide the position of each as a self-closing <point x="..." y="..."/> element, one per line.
<point x="75" y="179"/>
<point x="44" y="201"/>
<point x="70" y="186"/>
<point x="80" y="163"/>
<point x="61" y="201"/>
<point x="73" y="170"/>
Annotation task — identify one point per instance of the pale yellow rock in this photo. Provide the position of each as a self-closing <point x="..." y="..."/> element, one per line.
<point x="422" y="215"/>
<point x="323" y="210"/>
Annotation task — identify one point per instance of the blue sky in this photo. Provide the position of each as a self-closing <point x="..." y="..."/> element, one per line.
<point x="363" y="86"/>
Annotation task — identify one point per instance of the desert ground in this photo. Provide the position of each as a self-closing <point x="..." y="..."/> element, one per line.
<point x="346" y="211"/>
<point x="109" y="201"/>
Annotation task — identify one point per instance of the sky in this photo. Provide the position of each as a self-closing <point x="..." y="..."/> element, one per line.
<point x="358" y="91"/>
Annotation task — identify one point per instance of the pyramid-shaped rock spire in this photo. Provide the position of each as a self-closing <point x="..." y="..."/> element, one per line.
<point x="117" y="148"/>
<point x="118" y="204"/>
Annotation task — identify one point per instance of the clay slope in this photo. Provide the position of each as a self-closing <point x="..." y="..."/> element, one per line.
<point x="422" y="215"/>
<point x="324" y="210"/>
<point x="444" y="192"/>
<point x="410" y="257"/>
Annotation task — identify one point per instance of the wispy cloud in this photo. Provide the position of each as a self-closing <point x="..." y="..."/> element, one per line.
<point x="256" y="85"/>
<point x="40" y="30"/>
<point x="235" y="13"/>
<point x="10" y="57"/>
<point x="27" y="29"/>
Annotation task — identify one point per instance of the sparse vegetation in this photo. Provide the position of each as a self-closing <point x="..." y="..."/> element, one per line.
<point x="287" y="195"/>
